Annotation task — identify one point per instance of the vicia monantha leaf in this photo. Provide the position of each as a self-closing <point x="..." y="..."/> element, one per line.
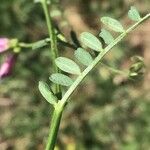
<point x="83" y="56"/>
<point x="47" y="93"/>
<point x="133" y="14"/>
<point x="112" y="24"/>
<point x="67" y="65"/>
<point x="107" y="37"/>
<point x="61" y="79"/>
<point x="91" y="41"/>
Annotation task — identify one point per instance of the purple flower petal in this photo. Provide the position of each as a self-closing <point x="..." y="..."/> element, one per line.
<point x="7" y="66"/>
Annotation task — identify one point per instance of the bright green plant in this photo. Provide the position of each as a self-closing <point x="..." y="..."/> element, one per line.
<point x="85" y="58"/>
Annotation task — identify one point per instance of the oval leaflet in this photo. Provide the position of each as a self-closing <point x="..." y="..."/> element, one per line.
<point x="67" y="65"/>
<point x="91" y="41"/>
<point x="83" y="56"/>
<point x="47" y="93"/>
<point x="61" y="79"/>
<point x="133" y="14"/>
<point x="112" y="24"/>
<point x="106" y="35"/>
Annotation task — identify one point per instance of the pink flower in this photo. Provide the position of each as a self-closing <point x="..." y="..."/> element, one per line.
<point x="7" y="66"/>
<point x="4" y="44"/>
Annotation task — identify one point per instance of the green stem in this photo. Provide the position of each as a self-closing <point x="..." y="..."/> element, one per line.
<point x="46" y="42"/>
<point x="58" y="110"/>
<point x="55" y="122"/>
<point x="124" y="73"/>
<point x="53" y="37"/>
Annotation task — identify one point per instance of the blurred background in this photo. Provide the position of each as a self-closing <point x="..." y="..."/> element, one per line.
<point x="107" y="112"/>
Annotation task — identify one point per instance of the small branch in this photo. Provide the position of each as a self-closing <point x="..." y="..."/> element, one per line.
<point x="124" y="73"/>
<point x="61" y="104"/>
<point x="46" y="41"/>
<point x="98" y="59"/>
<point x="59" y="107"/>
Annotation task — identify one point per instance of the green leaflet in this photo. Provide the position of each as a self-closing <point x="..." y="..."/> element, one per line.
<point x="107" y="37"/>
<point x="61" y="79"/>
<point x="83" y="56"/>
<point x="133" y="14"/>
<point x="91" y="41"/>
<point x="47" y="93"/>
<point x="112" y="24"/>
<point x="67" y="65"/>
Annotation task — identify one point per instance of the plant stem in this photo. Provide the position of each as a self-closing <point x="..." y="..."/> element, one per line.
<point x="55" y="122"/>
<point x="53" y="38"/>
<point x="124" y="73"/>
<point x="46" y="42"/>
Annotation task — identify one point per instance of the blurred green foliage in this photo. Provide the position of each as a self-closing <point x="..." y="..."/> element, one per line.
<point x="106" y="112"/>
